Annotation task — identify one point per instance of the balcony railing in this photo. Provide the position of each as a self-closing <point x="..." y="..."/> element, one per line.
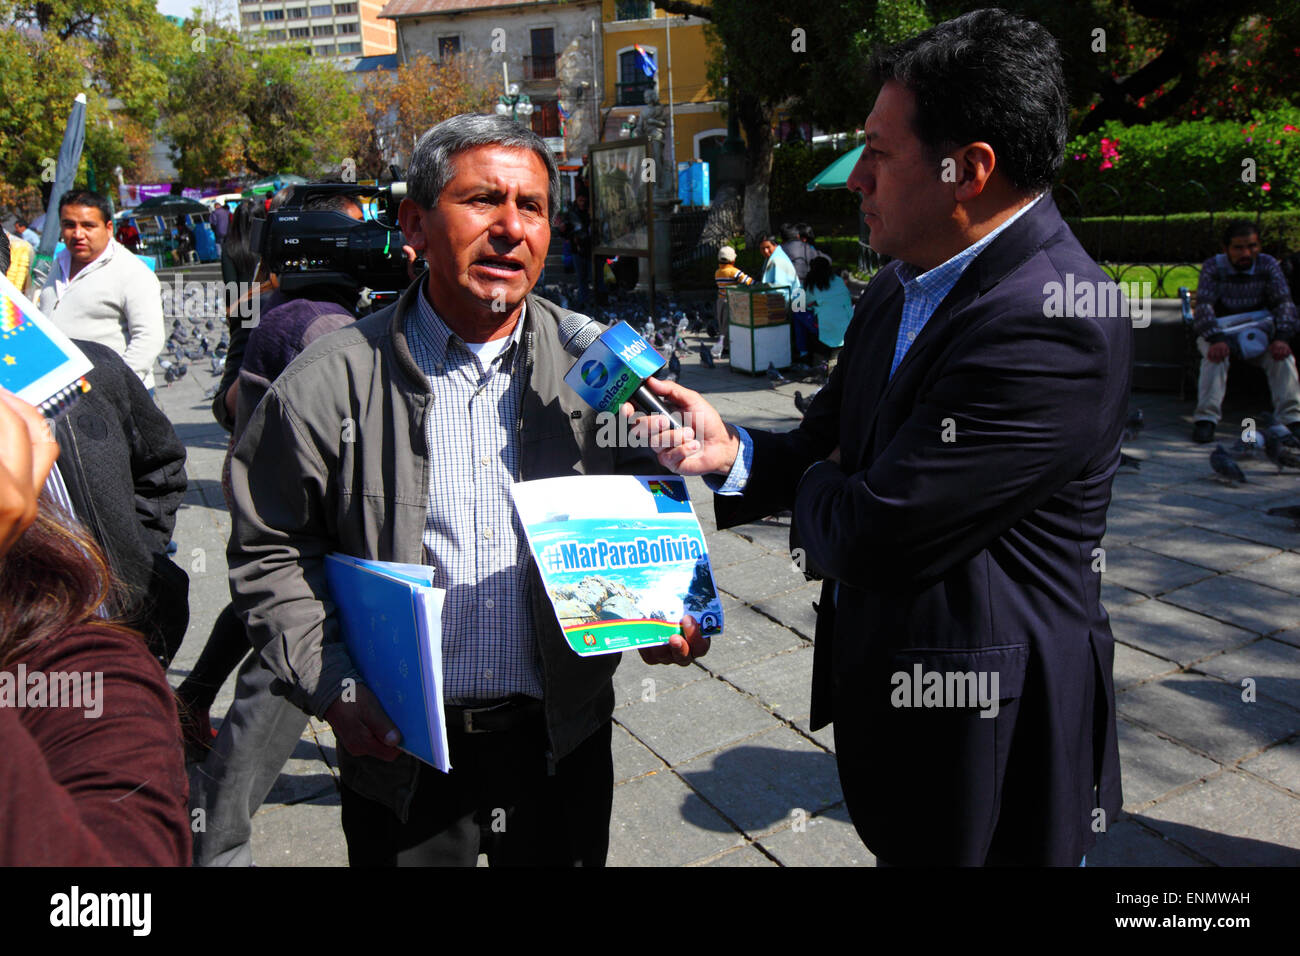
<point x="539" y="67"/>
<point x="633" y="94"/>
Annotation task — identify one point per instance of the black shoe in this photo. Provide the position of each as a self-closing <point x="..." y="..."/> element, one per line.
<point x="1203" y="432"/>
<point x="1295" y="429"/>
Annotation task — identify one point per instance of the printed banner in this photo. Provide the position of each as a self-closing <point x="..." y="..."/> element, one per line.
<point x="622" y="559"/>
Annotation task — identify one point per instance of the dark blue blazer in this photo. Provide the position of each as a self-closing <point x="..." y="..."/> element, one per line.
<point x="962" y="528"/>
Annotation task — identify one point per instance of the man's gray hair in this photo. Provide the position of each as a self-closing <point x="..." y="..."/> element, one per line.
<point x="432" y="166"/>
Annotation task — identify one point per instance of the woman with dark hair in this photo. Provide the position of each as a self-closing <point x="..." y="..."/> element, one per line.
<point x="90" y="758"/>
<point x="828" y="298"/>
<point x="238" y="260"/>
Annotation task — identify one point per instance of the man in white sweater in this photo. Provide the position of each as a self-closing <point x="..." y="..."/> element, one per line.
<point x="99" y="291"/>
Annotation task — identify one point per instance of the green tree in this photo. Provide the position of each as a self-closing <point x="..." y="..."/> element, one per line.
<point x="115" y="51"/>
<point x="807" y="61"/>
<point x="233" y="109"/>
<point x="1143" y="61"/>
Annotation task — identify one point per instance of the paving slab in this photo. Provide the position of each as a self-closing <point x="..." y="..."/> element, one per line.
<point x="1273" y="665"/>
<point x="760" y="783"/>
<point x="1280" y="765"/>
<point x="760" y="578"/>
<point x="1237" y="601"/>
<point x="1133" y="666"/>
<point x="1233" y="820"/>
<point x="794" y="608"/>
<point x="747" y="636"/>
<point x="744" y="856"/>
<point x="635" y="680"/>
<point x="659" y="821"/>
<point x="827" y="840"/>
<point x="696" y="719"/>
<point x="1174" y="633"/>
<point x="1282" y="571"/>
<point x="1209" y="716"/>
<point x="1209" y="549"/>
<point x="1129" y="844"/>
<point x="300" y="834"/>
<point x="1149" y="573"/>
<point x="1151" y="766"/>
<point x="783" y="684"/>
<point x="631" y="757"/>
<point x="727" y="548"/>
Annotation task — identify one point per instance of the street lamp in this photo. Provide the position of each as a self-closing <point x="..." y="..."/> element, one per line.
<point x="514" y="104"/>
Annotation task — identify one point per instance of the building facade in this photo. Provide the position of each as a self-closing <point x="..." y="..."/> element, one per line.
<point x="352" y="28"/>
<point x="550" y="50"/>
<point x="677" y="48"/>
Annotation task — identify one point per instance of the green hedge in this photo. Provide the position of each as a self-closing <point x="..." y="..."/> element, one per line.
<point x="1182" y="237"/>
<point x="1172" y="156"/>
<point x="826" y="210"/>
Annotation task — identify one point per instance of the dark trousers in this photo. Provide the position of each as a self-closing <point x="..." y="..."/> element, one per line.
<point x="499" y="800"/>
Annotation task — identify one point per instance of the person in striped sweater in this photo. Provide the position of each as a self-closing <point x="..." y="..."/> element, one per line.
<point x="728" y="276"/>
<point x="1242" y="279"/>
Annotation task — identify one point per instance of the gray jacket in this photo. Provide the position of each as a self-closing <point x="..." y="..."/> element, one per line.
<point x="334" y="459"/>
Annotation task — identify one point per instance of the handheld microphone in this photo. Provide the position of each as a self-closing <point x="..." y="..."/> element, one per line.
<point x="612" y="363"/>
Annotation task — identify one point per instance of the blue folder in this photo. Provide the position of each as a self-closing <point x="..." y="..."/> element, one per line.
<point x="391" y="618"/>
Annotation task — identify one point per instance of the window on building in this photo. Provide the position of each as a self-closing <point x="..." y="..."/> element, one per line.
<point x="345" y="8"/>
<point x="348" y="28"/>
<point x="322" y="10"/>
<point x="632" y="81"/>
<point x="327" y="30"/>
<point x="325" y="50"/>
<point x="297" y="13"/>
<point x="274" y="34"/>
<point x="299" y="32"/>
<point x="254" y="16"/>
<point x="350" y="47"/>
<point x="448" y="46"/>
<point x="546" y="118"/>
<point x="633" y="10"/>
<point x="272" y="14"/>
<point x="540" y="65"/>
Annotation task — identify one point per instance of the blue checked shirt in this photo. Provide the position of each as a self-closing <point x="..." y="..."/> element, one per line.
<point x="922" y="294"/>
<point x="472" y="537"/>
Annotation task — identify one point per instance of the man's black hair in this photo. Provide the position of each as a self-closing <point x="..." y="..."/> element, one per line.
<point x="986" y="76"/>
<point x="333" y="202"/>
<point x="4" y="252"/>
<point x="84" y="197"/>
<point x="789" y="232"/>
<point x="1238" y="228"/>
<point x="773" y="239"/>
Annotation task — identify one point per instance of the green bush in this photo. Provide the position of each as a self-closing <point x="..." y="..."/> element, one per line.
<point x="1182" y="237"/>
<point x="1155" y="168"/>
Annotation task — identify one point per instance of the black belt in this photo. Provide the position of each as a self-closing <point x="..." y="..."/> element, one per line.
<point x="494" y="716"/>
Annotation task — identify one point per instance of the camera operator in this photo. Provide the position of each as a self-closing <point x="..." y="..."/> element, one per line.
<point x="261" y="729"/>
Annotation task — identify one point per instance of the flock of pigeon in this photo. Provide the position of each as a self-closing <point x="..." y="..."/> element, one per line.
<point x="1274" y="442"/>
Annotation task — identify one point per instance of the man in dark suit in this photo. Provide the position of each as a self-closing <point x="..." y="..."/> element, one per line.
<point x="951" y="482"/>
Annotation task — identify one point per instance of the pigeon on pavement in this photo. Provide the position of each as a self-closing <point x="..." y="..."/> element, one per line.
<point x="1223" y="465"/>
<point x="706" y="357"/>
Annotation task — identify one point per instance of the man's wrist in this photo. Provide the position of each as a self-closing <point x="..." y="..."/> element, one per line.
<point x="725" y="470"/>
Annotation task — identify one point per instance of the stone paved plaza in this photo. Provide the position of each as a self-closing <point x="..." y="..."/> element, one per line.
<point x="715" y="763"/>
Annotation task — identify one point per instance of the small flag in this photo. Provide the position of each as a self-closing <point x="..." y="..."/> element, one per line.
<point x="647" y="59"/>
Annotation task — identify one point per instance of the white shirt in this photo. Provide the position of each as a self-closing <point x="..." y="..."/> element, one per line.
<point x="115" y="300"/>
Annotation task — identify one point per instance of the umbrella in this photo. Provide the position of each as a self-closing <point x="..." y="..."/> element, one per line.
<point x="836" y="175"/>
<point x="74" y="137"/>
<point x="271" y="184"/>
<point x="170" y="206"/>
